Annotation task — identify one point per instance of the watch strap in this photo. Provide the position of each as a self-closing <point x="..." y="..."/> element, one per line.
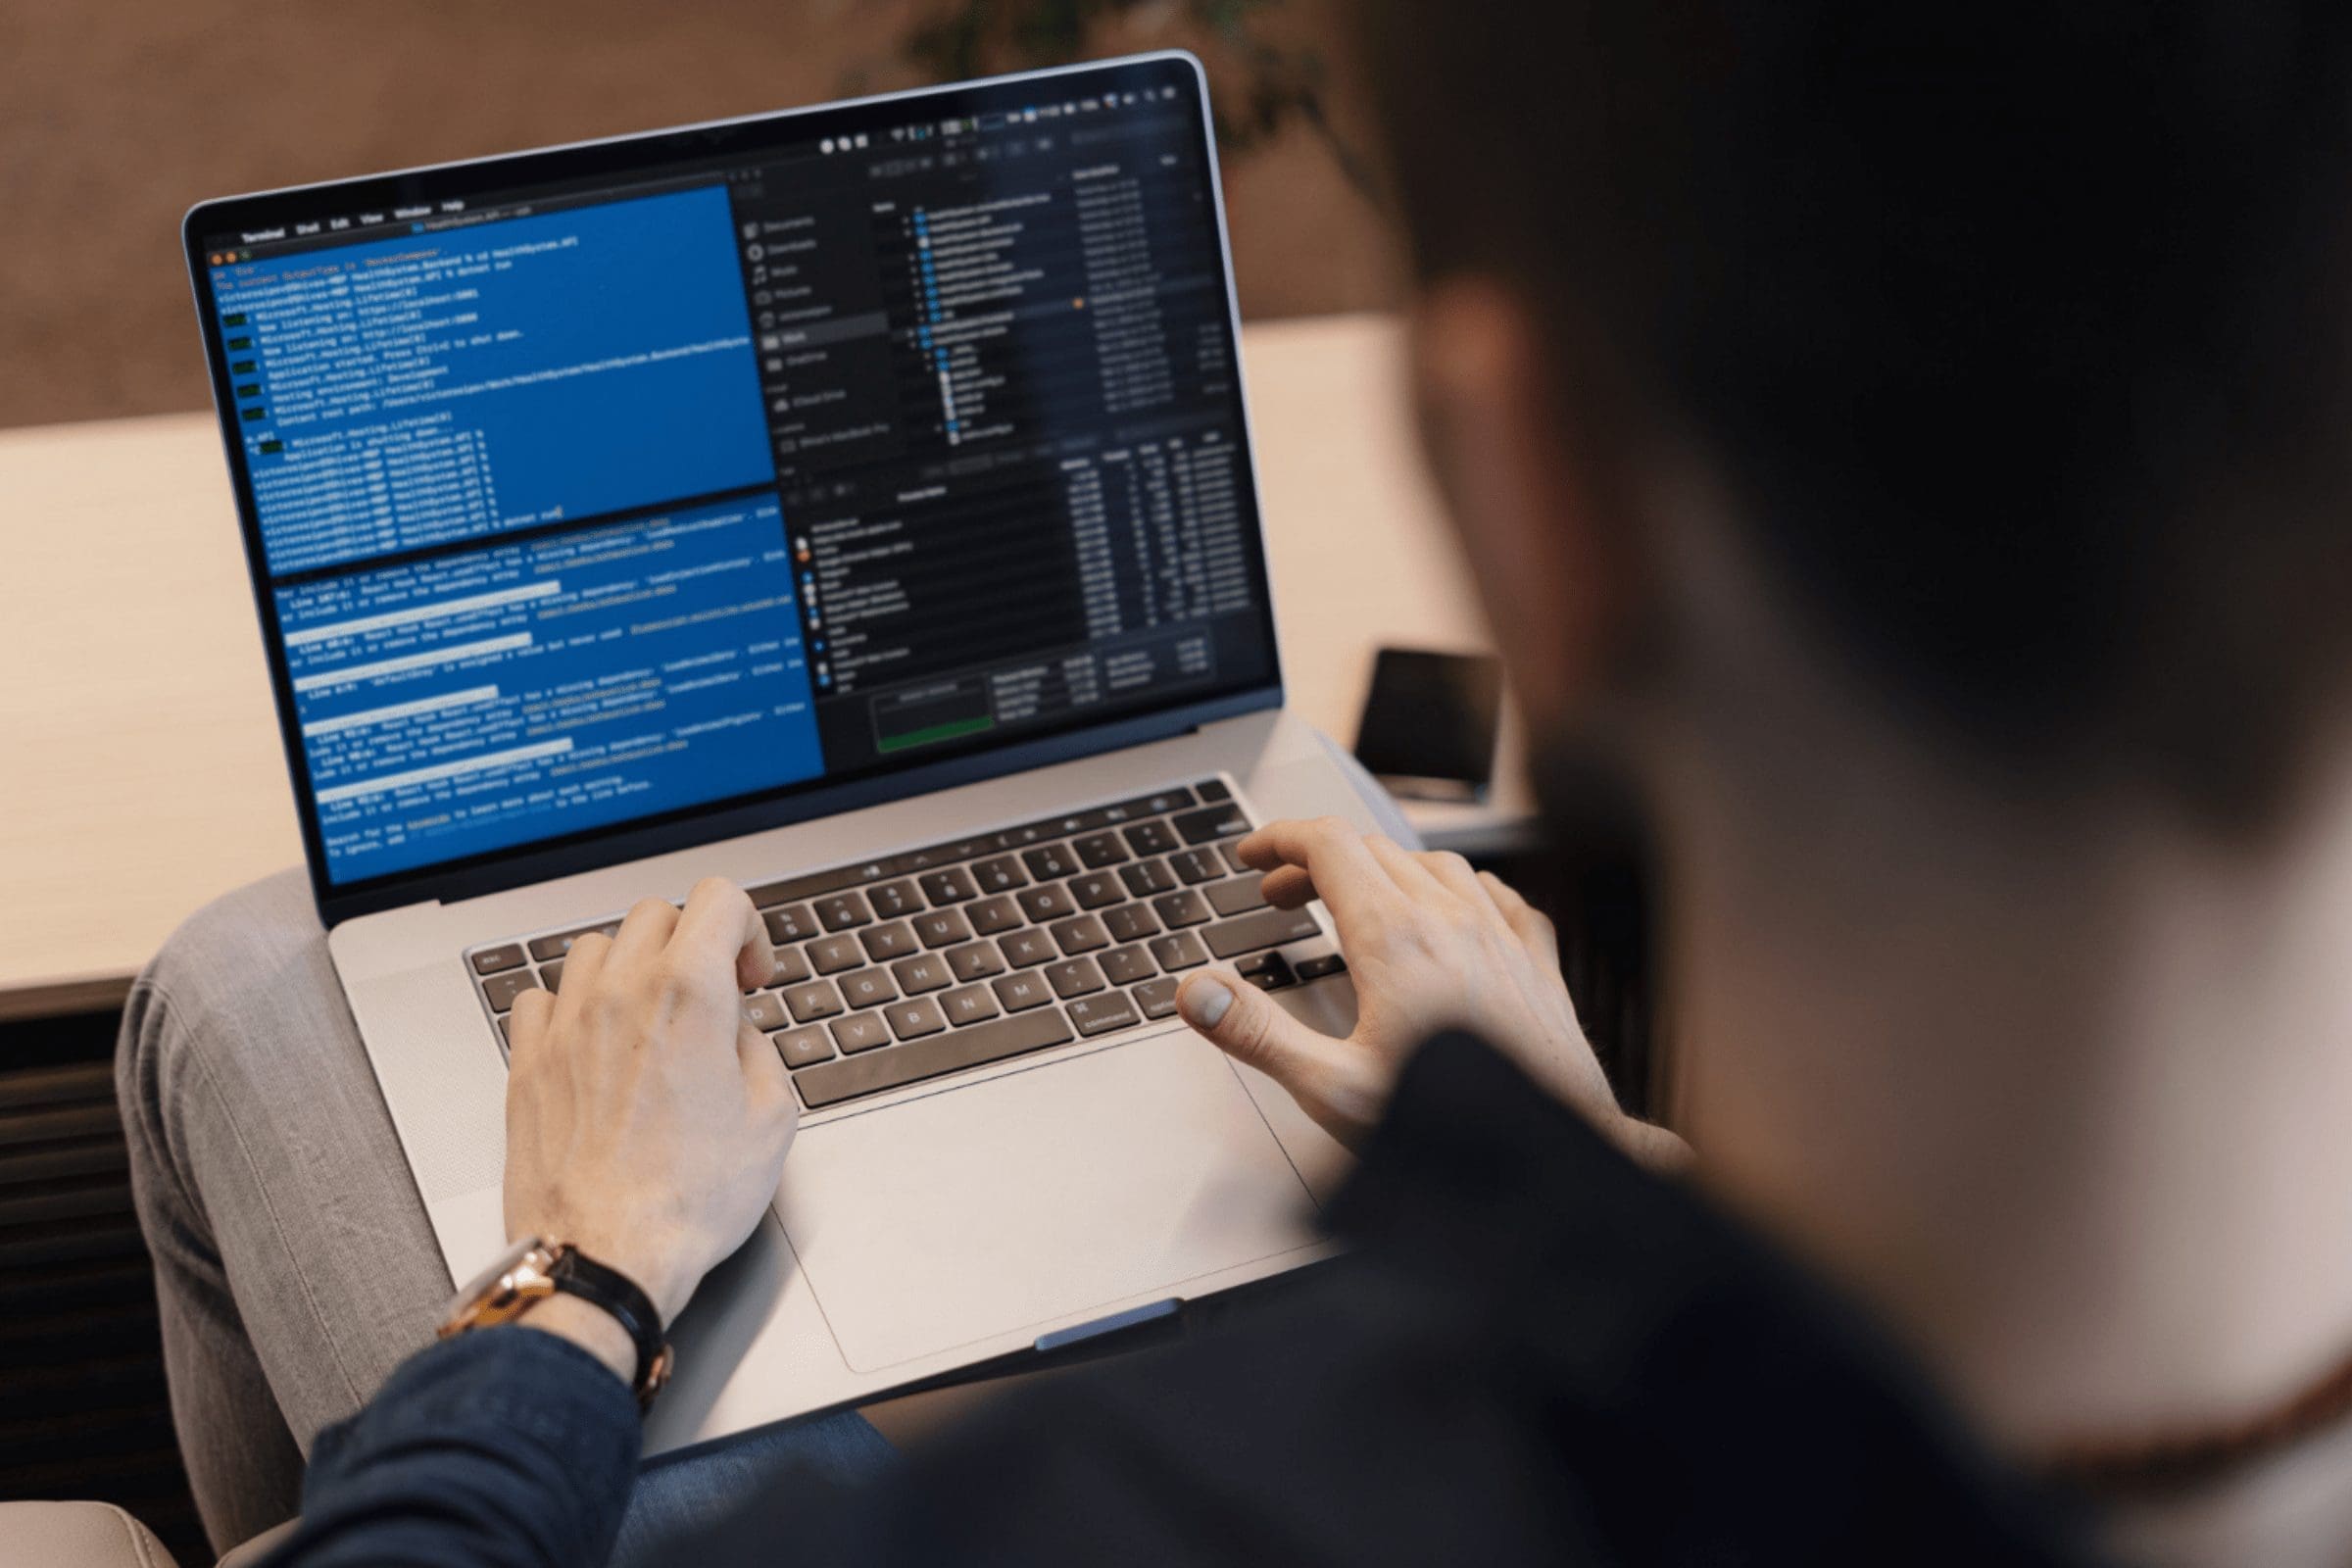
<point x="578" y="1274"/>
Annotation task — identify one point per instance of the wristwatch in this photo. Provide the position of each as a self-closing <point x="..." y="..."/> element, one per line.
<point x="536" y="1268"/>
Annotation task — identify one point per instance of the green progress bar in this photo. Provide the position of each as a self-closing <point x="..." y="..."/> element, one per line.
<point x="937" y="732"/>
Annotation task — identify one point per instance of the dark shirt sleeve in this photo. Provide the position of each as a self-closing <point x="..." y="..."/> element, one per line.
<point x="507" y="1448"/>
<point x="1534" y="1353"/>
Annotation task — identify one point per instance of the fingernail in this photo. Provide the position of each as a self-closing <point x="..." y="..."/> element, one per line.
<point x="1205" y="1005"/>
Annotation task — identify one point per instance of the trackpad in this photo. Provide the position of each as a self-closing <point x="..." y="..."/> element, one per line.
<point x="1007" y="1204"/>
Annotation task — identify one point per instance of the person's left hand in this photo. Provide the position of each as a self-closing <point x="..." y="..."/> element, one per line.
<point x="646" y="1120"/>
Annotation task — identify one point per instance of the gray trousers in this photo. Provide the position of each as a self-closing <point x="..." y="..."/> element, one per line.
<point x="294" y="1265"/>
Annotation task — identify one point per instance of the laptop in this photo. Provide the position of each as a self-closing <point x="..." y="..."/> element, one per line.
<point x="857" y="503"/>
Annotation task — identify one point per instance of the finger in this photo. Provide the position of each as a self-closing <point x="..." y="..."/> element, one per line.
<point x="1405" y="869"/>
<point x="645" y="930"/>
<point x="1238" y="1020"/>
<point x="526" y="1027"/>
<point x="1453" y="874"/>
<point x="765" y="1084"/>
<point x="582" y="967"/>
<point x="1288" y="887"/>
<point x="721" y="931"/>
<point x="1339" y="869"/>
<point x="1531" y="925"/>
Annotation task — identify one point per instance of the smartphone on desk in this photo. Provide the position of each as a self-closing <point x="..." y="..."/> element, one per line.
<point x="1429" y="724"/>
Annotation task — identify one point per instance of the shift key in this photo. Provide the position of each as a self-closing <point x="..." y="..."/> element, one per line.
<point x="927" y="1057"/>
<point x="1261" y="928"/>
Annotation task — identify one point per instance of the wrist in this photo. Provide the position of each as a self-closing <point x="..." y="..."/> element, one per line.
<point x="668" y="1287"/>
<point x="591" y="1327"/>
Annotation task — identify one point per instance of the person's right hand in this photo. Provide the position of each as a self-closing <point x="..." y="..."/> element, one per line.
<point x="1432" y="945"/>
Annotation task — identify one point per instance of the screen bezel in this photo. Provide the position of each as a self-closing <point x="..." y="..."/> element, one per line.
<point x="592" y="849"/>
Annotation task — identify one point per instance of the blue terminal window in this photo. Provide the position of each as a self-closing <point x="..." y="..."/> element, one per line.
<point x="455" y="385"/>
<point x="499" y="695"/>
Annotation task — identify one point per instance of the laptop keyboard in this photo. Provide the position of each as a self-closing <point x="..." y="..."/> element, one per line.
<point x="982" y="949"/>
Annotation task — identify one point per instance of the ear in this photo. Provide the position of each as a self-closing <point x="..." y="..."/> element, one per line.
<point x="1524" y="498"/>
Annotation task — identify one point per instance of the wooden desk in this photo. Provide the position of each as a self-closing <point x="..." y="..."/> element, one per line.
<point x="141" y="773"/>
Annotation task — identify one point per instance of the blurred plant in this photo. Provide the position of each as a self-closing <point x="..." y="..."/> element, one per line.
<point x="1258" y="86"/>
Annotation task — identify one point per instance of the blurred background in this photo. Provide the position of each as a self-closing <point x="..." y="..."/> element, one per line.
<point x="115" y="118"/>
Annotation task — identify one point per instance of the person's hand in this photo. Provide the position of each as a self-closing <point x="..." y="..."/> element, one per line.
<point x="646" y="1120"/>
<point x="1432" y="945"/>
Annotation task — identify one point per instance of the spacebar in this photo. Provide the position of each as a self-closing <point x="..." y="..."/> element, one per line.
<point x="829" y="1082"/>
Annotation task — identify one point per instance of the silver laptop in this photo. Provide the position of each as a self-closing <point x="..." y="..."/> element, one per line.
<point x="856" y="503"/>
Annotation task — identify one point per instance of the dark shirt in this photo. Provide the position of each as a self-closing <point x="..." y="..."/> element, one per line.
<point x="1535" y="1353"/>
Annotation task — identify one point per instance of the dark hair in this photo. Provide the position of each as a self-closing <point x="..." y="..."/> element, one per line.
<point x="2018" y="331"/>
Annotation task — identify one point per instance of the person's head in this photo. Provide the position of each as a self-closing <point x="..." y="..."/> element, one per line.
<point x="2006" y="351"/>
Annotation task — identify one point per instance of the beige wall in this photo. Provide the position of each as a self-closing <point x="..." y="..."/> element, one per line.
<point x="116" y="115"/>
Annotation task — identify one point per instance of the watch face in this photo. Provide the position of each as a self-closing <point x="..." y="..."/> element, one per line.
<point x="475" y="1288"/>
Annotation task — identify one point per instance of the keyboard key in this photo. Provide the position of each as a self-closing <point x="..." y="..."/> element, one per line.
<point x="842" y="910"/>
<point x="970" y="1005"/>
<point x="792" y="967"/>
<point x="1126" y="965"/>
<point x="551" y="975"/>
<point x="556" y="946"/>
<point x="975" y="961"/>
<point x="1129" y="922"/>
<point x="1098" y="849"/>
<point x="803" y="1048"/>
<point x="1021" y="992"/>
<point x="790" y="923"/>
<point x="861" y="1031"/>
<point x="929" y="972"/>
<point x="830" y="1082"/>
<point x="1231" y="849"/>
<point x="1082" y="935"/>
<point x="1268" y="971"/>
<point x="1049" y="860"/>
<point x="795" y="889"/>
<point x="490" y="960"/>
<point x="1075" y="977"/>
<point x="1000" y="875"/>
<point x="1236" y="897"/>
<point x="1095" y="1015"/>
<point x="1025" y="947"/>
<point x="813" y="1000"/>
<point x="832" y="954"/>
<point x="952" y="886"/>
<point x="763" y="1011"/>
<point x="1049" y="902"/>
<point x="1146" y="877"/>
<point x="912" y="1020"/>
<point x="1177" y="911"/>
<point x="1149" y="838"/>
<point x="894" y="898"/>
<point x="1180" y="950"/>
<point x="1196" y="867"/>
<point x="503" y="989"/>
<point x="1212" y="789"/>
<point x="1095" y="890"/>
<point x="1155" y="997"/>
<point x="942" y="928"/>
<point x="867" y="988"/>
<point x="1210" y="822"/>
<point x="991" y="915"/>
<point x="1261" y="928"/>
<point x="1318" y="967"/>
<point x="886" y="942"/>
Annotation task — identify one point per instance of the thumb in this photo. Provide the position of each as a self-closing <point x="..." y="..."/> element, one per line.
<point x="1245" y="1025"/>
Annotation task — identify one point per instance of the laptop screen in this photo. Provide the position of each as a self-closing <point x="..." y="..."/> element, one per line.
<point x="864" y="437"/>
